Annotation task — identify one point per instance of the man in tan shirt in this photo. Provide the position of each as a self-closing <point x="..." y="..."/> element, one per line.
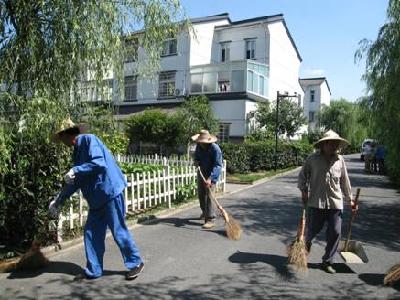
<point x="325" y="185"/>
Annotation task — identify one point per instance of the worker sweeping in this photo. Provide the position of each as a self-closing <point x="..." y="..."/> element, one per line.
<point x="208" y="157"/>
<point x="324" y="185"/>
<point x="102" y="183"/>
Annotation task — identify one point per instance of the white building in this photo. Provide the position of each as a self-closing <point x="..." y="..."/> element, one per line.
<point x="236" y="64"/>
<point x="316" y="94"/>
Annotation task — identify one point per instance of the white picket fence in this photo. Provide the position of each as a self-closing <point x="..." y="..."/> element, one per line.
<point x="144" y="190"/>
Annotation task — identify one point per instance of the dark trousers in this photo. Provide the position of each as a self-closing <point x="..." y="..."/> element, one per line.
<point x="315" y="221"/>
<point x="206" y="203"/>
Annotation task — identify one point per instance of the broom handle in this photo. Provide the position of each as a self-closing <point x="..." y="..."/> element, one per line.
<point x="353" y="215"/>
<point x="209" y="190"/>
<point x="302" y="223"/>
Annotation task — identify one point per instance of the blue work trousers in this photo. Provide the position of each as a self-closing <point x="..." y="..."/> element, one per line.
<point x="315" y="221"/>
<point x="111" y="215"/>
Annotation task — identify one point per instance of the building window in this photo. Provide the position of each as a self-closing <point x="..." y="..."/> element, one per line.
<point x="169" y="47"/>
<point x="311" y="116"/>
<point x="130" y="88"/>
<point x="225" y="52"/>
<point x="224" y="86"/>
<point x="250" y="49"/>
<point x="312" y="95"/>
<point x="97" y="93"/>
<point x="130" y="51"/>
<point x="166" y="84"/>
<point x="223" y="133"/>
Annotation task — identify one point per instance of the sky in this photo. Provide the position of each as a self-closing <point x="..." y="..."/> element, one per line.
<point x="326" y="32"/>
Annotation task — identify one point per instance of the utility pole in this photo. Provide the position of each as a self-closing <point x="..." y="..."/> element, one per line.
<point x="278" y="95"/>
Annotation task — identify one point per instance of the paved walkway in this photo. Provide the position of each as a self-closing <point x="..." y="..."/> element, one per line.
<point x="185" y="262"/>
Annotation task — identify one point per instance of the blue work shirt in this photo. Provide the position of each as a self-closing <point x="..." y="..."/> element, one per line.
<point x="210" y="161"/>
<point x="96" y="173"/>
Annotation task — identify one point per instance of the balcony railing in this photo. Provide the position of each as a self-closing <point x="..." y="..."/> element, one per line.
<point x="231" y="76"/>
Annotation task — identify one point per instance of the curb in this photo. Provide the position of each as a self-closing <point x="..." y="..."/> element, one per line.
<point x="261" y="181"/>
<point x="60" y="248"/>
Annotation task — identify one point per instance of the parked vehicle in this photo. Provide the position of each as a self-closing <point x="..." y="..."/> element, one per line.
<point x="365" y="146"/>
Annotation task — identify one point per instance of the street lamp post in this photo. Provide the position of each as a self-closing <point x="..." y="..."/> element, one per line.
<point x="278" y="98"/>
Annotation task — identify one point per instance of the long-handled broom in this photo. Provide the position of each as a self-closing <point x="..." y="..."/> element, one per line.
<point x="232" y="226"/>
<point x="392" y="276"/>
<point x="297" y="254"/>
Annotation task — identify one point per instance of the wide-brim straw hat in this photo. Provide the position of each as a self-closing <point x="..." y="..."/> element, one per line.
<point x="204" y="137"/>
<point x="65" y="124"/>
<point x="330" y="135"/>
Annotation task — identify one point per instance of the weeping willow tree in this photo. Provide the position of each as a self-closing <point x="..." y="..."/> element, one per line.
<point x="346" y="118"/>
<point x="46" y="49"/>
<point x="382" y="77"/>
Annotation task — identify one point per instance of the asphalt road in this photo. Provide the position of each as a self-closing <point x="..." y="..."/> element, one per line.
<point x="182" y="261"/>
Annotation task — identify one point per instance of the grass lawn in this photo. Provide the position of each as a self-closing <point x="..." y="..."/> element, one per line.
<point x="250" y="178"/>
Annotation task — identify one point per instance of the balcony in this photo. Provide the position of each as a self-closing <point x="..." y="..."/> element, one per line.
<point x="242" y="76"/>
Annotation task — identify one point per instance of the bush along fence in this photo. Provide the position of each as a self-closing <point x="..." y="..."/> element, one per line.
<point x="253" y="157"/>
<point x="164" y="181"/>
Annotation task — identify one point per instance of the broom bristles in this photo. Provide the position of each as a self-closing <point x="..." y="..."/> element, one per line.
<point x="32" y="260"/>
<point x="392" y="275"/>
<point x="297" y="255"/>
<point x="233" y="228"/>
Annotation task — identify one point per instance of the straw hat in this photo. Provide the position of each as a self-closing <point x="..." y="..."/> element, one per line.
<point x="204" y="137"/>
<point x="65" y="124"/>
<point x="330" y="135"/>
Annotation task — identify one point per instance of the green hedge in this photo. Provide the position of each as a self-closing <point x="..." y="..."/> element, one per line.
<point x="259" y="156"/>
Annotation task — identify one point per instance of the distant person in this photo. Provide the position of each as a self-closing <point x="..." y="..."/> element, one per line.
<point x="208" y="156"/>
<point x="368" y="150"/>
<point x="102" y="183"/>
<point x="380" y="158"/>
<point x="325" y="185"/>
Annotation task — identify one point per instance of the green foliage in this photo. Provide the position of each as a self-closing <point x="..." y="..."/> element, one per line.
<point x="171" y="130"/>
<point x="47" y="48"/>
<point x="34" y="168"/>
<point x="260" y="135"/>
<point x="259" y="156"/>
<point x="197" y="115"/>
<point x="129" y="168"/>
<point x="116" y="142"/>
<point x="185" y="192"/>
<point x="157" y="127"/>
<point x="57" y="40"/>
<point x="348" y="120"/>
<point x="382" y="77"/>
<point x="290" y="118"/>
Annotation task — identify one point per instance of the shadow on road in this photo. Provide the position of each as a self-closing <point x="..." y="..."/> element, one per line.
<point x="277" y="261"/>
<point x="56" y="267"/>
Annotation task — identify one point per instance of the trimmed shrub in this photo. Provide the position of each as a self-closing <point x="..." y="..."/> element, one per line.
<point x="260" y="156"/>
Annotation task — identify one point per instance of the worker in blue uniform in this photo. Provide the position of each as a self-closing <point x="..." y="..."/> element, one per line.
<point x="102" y="183"/>
<point x="208" y="157"/>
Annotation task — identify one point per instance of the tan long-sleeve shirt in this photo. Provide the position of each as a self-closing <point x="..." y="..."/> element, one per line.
<point x="327" y="181"/>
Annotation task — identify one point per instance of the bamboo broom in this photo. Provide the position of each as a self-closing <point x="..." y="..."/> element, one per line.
<point x="392" y="276"/>
<point x="232" y="226"/>
<point x="32" y="260"/>
<point x="297" y="254"/>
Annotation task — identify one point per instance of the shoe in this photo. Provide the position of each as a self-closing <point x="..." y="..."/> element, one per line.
<point x="133" y="273"/>
<point x="208" y="225"/>
<point x="328" y="268"/>
<point x="82" y="277"/>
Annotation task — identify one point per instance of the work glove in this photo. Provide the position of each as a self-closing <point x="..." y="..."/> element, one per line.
<point x="53" y="209"/>
<point x="69" y="177"/>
